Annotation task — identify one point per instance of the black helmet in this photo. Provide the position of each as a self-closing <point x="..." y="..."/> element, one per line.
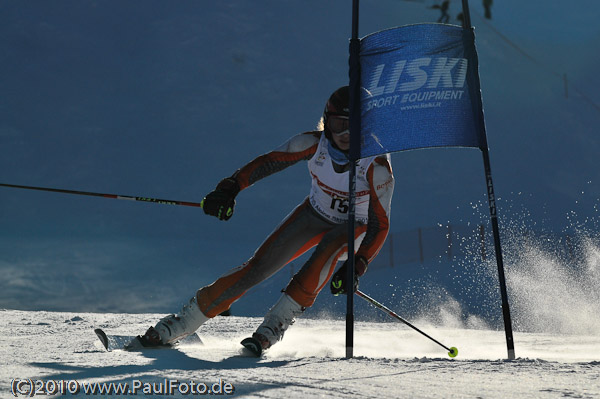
<point x="337" y="105"/>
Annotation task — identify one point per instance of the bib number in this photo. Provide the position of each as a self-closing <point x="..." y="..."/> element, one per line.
<point x="339" y="204"/>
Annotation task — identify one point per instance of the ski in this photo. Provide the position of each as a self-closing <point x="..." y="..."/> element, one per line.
<point x="133" y="343"/>
<point x="253" y="346"/>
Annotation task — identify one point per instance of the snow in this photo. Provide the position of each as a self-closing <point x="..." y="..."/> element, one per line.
<point x="390" y="360"/>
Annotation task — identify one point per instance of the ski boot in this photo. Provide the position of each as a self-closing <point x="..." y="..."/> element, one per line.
<point x="276" y="322"/>
<point x="173" y="328"/>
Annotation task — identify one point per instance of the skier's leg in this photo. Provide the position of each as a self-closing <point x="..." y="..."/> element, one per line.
<point x="316" y="272"/>
<point x="300" y="231"/>
<point x="303" y="289"/>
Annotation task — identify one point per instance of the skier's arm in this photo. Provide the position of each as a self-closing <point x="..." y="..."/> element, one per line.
<point x="381" y="181"/>
<point x="221" y="201"/>
<point x="298" y="148"/>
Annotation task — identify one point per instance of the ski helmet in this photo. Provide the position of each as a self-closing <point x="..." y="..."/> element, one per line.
<point x="337" y="105"/>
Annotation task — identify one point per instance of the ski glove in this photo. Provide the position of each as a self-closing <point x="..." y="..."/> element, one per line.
<point x="221" y="202"/>
<point x="338" y="281"/>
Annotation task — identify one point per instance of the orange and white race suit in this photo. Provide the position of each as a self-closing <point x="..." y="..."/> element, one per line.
<point x="319" y="221"/>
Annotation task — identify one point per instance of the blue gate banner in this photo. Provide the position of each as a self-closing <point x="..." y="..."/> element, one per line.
<point x="420" y="88"/>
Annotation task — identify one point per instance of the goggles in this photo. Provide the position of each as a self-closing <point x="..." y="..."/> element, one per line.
<point x="338" y="124"/>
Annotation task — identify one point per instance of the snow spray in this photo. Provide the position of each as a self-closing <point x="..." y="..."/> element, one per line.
<point x="553" y="278"/>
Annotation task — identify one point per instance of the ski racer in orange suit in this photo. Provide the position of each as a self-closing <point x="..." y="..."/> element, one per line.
<point x="319" y="221"/>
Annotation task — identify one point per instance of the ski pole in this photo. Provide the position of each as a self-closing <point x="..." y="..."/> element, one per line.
<point x="452" y="351"/>
<point x="114" y="196"/>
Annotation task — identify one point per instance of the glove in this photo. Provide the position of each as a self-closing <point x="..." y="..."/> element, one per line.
<point x="221" y="201"/>
<point x="338" y="281"/>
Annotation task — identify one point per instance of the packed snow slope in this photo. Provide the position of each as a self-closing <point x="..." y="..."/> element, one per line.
<point x="390" y="361"/>
<point x="158" y="99"/>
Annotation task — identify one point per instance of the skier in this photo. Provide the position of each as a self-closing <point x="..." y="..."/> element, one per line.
<point x="487" y="5"/>
<point x="444" y="18"/>
<point x="320" y="220"/>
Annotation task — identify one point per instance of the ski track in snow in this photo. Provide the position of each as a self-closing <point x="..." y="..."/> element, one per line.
<point x="391" y="361"/>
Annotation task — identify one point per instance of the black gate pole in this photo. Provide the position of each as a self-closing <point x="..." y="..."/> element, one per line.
<point x="478" y="108"/>
<point x="354" y="155"/>
<point x="498" y="249"/>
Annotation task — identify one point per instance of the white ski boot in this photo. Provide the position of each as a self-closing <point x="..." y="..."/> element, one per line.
<point x="277" y="320"/>
<point x="175" y="327"/>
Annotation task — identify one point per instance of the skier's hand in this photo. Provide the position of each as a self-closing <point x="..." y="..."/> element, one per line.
<point x="338" y="283"/>
<point x="221" y="202"/>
